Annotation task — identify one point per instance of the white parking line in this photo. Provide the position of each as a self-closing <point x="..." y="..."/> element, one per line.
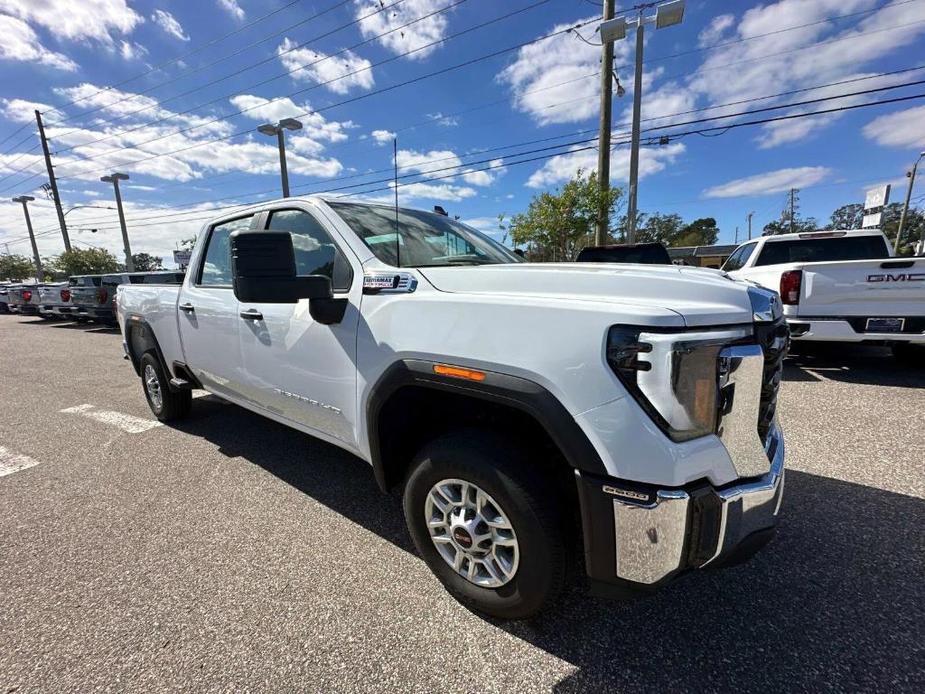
<point x="11" y="462"/>
<point x="126" y="422"/>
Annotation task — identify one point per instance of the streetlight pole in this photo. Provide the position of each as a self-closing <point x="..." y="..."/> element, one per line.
<point x="25" y="200"/>
<point x="902" y="217"/>
<point x="114" y="179"/>
<point x="667" y="14"/>
<point x="603" y="141"/>
<point x="277" y="131"/>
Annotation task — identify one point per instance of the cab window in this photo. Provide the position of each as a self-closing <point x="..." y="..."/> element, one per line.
<point x="739" y="257"/>
<point x="216" y="264"/>
<point x="315" y="250"/>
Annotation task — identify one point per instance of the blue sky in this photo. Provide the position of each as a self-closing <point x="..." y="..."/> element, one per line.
<point x="160" y="91"/>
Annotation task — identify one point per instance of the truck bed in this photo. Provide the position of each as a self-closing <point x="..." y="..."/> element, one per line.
<point x="158" y="304"/>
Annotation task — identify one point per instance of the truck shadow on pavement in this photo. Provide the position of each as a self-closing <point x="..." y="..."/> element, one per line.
<point x="855" y="364"/>
<point x="836" y="602"/>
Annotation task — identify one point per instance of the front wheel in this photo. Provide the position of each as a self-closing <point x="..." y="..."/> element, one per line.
<point x="166" y="404"/>
<point x="488" y="524"/>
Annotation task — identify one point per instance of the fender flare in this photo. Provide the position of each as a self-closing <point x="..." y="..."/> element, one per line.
<point x="512" y="391"/>
<point x="134" y="321"/>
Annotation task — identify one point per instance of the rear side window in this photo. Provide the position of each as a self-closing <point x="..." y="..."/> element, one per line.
<point x="739" y="257"/>
<point x="315" y="250"/>
<point x="85" y="281"/>
<point x="823" y="250"/>
<point x="216" y="265"/>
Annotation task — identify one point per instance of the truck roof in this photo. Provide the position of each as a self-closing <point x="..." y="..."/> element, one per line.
<point x="822" y="234"/>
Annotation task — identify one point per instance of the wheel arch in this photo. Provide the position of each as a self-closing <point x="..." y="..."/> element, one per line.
<point x="410" y="404"/>
<point x="140" y="338"/>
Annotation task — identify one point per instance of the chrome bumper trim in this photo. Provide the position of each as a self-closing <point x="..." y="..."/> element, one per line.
<point x="652" y="539"/>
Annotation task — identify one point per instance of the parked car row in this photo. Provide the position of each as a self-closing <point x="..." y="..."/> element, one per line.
<point x="82" y="298"/>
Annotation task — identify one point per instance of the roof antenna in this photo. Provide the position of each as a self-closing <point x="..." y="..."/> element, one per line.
<point x="395" y="162"/>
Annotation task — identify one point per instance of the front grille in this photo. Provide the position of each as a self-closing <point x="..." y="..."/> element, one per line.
<point x="774" y="339"/>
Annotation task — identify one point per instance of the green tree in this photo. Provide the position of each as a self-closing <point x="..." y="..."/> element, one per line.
<point x="16" y="267"/>
<point x="847" y="217"/>
<point x="559" y="224"/>
<point x="187" y="244"/>
<point x="700" y="232"/>
<point x="145" y="262"/>
<point x="658" y="228"/>
<point x="785" y="225"/>
<point x="85" y="261"/>
<point x="913" y="228"/>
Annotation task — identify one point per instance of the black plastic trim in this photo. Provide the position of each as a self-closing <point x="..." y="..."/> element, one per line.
<point x="513" y="391"/>
<point x="133" y="320"/>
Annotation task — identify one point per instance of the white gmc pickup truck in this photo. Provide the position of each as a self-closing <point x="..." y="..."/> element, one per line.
<point x="842" y="286"/>
<point x="524" y="410"/>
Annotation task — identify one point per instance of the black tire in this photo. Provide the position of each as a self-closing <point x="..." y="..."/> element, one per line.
<point x="909" y="355"/>
<point x="500" y="467"/>
<point x="174" y="404"/>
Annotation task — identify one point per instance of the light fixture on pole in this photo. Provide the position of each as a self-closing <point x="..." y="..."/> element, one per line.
<point x="666" y="15"/>
<point x="277" y="130"/>
<point x="902" y="217"/>
<point x="114" y="178"/>
<point x="25" y="200"/>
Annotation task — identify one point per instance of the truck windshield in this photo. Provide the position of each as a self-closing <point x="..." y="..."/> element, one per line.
<point x="823" y="249"/>
<point x="420" y="239"/>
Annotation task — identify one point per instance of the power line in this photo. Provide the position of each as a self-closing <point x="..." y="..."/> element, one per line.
<point x="301" y="91"/>
<point x="652" y="118"/>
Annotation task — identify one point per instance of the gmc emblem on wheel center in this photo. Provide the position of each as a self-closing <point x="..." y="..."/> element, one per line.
<point x="901" y="277"/>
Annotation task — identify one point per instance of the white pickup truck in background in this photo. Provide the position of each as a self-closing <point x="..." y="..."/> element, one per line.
<point x="517" y="406"/>
<point x="841" y="286"/>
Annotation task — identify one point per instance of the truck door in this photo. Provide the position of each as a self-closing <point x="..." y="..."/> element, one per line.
<point x="295" y="368"/>
<point x="208" y="312"/>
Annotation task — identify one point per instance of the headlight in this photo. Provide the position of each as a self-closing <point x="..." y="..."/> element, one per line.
<point x="674" y="376"/>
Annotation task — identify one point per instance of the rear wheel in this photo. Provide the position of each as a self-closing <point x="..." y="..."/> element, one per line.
<point x="488" y="524"/>
<point x="166" y="404"/>
<point x="909" y="355"/>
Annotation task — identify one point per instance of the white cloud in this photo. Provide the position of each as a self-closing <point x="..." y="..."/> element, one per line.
<point x="129" y="50"/>
<point x="901" y="129"/>
<point x="77" y="20"/>
<point x="436" y="191"/>
<point x="339" y="73"/>
<point x="407" y="38"/>
<point x="382" y="136"/>
<point x="19" y="42"/>
<point x="770" y="182"/>
<point x="563" y="167"/>
<point x="22" y="111"/>
<point x="315" y="127"/>
<point x="715" y="30"/>
<point x="552" y="61"/>
<point x="440" y="119"/>
<point x="232" y="7"/>
<point x="424" y="162"/>
<point x="485" y="177"/>
<point x="169" y="24"/>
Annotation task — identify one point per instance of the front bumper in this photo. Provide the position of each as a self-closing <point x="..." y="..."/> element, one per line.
<point x="639" y="537"/>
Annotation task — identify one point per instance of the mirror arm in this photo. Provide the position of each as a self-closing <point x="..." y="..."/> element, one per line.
<point x="327" y="311"/>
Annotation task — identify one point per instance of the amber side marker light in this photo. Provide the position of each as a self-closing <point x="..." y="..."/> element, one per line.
<point x="459" y="372"/>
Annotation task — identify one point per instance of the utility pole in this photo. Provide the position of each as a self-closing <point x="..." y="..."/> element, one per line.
<point x="53" y="182"/>
<point x="902" y="217"/>
<point x="25" y="200"/>
<point x="114" y="179"/>
<point x="737" y="235"/>
<point x="603" y="142"/>
<point x="792" y="195"/>
<point x="750" y="225"/>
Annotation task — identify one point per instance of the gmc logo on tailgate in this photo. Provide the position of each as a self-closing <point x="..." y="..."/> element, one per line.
<point x="901" y="277"/>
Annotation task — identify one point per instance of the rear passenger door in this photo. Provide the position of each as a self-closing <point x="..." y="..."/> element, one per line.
<point x="297" y="369"/>
<point x="208" y="313"/>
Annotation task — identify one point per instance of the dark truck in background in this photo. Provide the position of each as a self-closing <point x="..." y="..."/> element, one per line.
<point x="644" y="253"/>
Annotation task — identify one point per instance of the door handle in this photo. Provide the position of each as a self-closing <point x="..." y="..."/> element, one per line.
<point x="188" y="307"/>
<point x="251" y="314"/>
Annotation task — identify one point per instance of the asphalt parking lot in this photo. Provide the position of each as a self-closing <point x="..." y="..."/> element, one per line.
<point x="230" y="553"/>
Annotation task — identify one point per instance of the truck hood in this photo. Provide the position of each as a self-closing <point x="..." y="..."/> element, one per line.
<point x="699" y="295"/>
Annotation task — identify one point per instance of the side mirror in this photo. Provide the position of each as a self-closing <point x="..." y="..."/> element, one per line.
<point x="263" y="270"/>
